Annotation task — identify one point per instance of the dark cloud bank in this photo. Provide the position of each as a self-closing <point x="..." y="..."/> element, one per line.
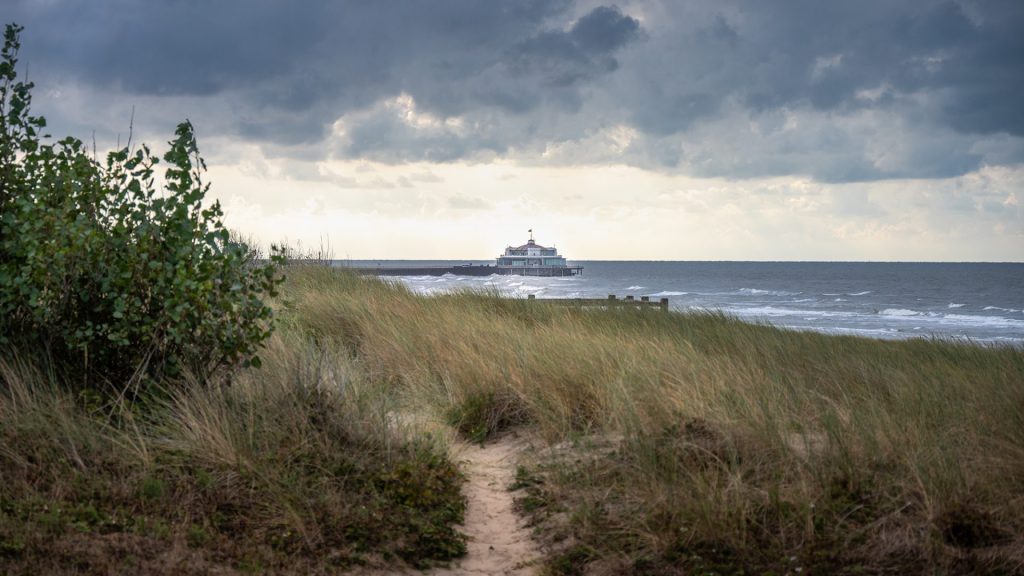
<point x="842" y="91"/>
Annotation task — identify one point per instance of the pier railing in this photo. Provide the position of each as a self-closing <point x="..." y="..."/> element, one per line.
<point x="612" y="301"/>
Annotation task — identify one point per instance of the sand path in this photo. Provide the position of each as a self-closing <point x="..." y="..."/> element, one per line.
<point x="499" y="542"/>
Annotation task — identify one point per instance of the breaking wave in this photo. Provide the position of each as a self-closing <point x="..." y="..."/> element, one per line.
<point x="760" y="292"/>
<point x="899" y="312"/>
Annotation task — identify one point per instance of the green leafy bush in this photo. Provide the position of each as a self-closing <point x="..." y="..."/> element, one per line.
<point x="111" y="271"/>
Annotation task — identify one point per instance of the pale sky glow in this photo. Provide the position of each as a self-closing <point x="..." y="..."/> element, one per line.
<point x="661" y="130"/>
<point x="426" y="211"/>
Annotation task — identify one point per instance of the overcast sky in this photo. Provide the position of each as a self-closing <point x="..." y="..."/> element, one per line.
<point x="689" y="130"/>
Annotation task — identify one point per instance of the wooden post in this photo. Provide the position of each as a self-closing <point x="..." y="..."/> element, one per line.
<point x="630" y="298"/>
<point x="531" y="297"/>
<point x="645" y="299"/>
<point x="663" y="304"/>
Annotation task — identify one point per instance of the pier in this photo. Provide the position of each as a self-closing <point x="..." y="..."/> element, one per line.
<point x="467" y="270"/>
<point x="530" y="259"/>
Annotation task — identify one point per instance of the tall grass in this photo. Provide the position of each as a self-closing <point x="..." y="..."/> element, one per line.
<point x="679" y="443"/>
<point x="297" y="467"/>
<point x="746" y="446"/>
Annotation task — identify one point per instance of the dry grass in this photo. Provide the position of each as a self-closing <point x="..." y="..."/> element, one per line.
<point x="736" y="447"/>
<point x="747" y="447"/>
<point x="294" y="468"/>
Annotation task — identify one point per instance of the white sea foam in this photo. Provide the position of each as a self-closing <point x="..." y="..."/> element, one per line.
<point x="899" y="312"/>
<point x="774" y="311"/>
<point x="668" y="293"/>
<point x="1000" y="309"/>
<point x="864" y="293"/>
<point x="955" y="305"/>
<point x="989" y="321"/>
<point x="958" y="320"/>
<point x="759" y="292"/>
<point x="895" y="334"/>
<point x="865" y="331"/>
<point x="636" y="288"/>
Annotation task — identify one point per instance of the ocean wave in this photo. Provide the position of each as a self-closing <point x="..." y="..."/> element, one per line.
<point x="897" y="334"/>
<point x="1000" y="309"/>
<point x="774" y="311"/>
<point x="955" y="305"/>
<point x="760" y="292"/>
<point x="668" y="293"/>
<point x="989" y="321"/>
<point x="899" y="312"/>
<point x="636" y="288"/>
<point x="882" y="332"/>
<point x="864" y="293"/>
<point x="959" y="320"/>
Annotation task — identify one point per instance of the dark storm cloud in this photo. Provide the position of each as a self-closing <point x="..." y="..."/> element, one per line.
<point x="298" y="65"/>
<point x="930" y="47"/>
<point x="822" y="54"/>
<point x="563" y="58"/>
<point x="869" y="86"/>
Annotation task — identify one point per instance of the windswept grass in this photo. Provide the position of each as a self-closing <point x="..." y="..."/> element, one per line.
<point x="294" y="468"/>
<point x="745" y="447"/>
<point x="679" y="444"/>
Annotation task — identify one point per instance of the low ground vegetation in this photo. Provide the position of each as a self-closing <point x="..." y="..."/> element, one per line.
<point x="293" y="468"/>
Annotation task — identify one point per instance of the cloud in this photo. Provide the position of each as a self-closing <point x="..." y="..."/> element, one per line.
<point x="462" y="202"/>
<point x="875" y="89"/>
<point x="564" y="58"/>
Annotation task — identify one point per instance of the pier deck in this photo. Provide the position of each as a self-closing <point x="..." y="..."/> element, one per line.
<point x="465" y="270"/>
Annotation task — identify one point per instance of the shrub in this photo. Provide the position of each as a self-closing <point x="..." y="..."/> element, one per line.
<point x="106" y="269"/>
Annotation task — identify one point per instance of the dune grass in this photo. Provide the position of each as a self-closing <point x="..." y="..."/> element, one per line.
<point x="293" y="468"/>
<point x="679" y="443"/>
<point x="745" y="447"/>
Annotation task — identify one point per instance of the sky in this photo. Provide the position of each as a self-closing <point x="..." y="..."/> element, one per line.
<point x="639" y="130"/>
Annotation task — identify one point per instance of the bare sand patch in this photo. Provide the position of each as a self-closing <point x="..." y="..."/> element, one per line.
<point x="499" y="540"/>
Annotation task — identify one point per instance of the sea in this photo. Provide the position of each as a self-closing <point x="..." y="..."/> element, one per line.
<point x="980" y="302"/>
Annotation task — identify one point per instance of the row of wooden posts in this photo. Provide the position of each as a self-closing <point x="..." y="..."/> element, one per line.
<point x="612" y="301"/>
